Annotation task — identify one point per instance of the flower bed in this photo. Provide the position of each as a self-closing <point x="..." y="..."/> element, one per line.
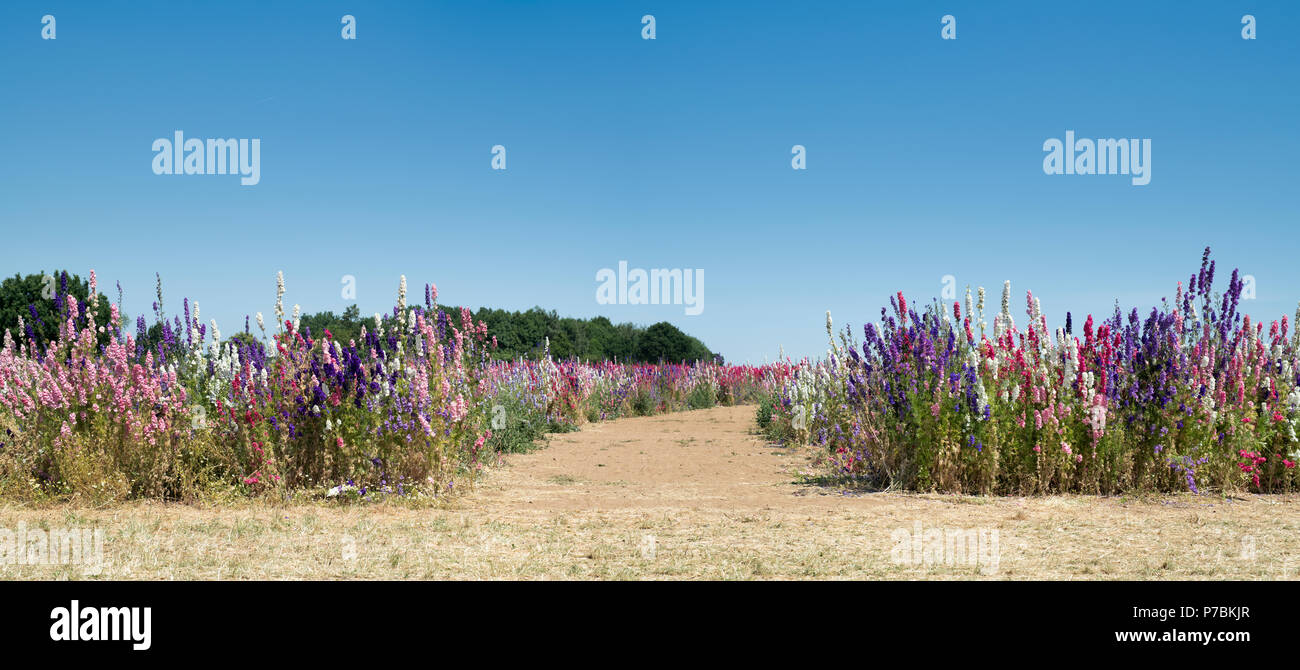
<point x="1189" y="395"/>
<point x="415" y="405"/>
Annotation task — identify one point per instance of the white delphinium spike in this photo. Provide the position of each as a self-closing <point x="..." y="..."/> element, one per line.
<point x="1008" y="319"/>
<point x="279" y="299"/>
<point x="297" y="318"/>
<point x="195" y="344"/>
<point x="401" y="296"/>
<point x="830" y="332"/>
<point x="216" y="333"/>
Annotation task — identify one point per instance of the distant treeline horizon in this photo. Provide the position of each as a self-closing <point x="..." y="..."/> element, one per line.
<point x="525" y="334"/>
<point x="519" y="334"/>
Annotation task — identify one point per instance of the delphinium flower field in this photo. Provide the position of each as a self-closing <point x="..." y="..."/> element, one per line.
<point x="414" y="406"/>
<point x="1189" y="395"/>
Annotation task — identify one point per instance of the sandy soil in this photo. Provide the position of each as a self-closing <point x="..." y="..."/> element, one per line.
<point x="688" y="495"/>
<point x="702" y="460"/>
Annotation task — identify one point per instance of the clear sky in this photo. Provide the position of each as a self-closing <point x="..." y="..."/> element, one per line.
<point x="924" y="155"/>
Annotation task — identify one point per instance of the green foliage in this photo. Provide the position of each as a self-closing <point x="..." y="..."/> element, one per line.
<point x="246" y="340"/>
<point x="344" y="327"/>
<point x="773" y="421"/>
<point x="702" y="396"/>
<point x="643" y="404"/>
<point x="524" y="335"/>
<point x="517" y="428"/>
<point x="664" y="342"/>
<point x="764" y="414"/>
<point x="47" y="295"/>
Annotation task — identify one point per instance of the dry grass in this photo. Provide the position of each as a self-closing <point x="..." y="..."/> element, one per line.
<point x="628" y="500"/>
<point x="1053" y="538"/>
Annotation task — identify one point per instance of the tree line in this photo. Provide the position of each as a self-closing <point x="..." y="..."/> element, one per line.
<point x="38" y="299"/>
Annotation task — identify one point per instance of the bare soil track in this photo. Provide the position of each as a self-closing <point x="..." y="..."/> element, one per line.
<point x="701" y="460"/>
<point x="681" y="496"/>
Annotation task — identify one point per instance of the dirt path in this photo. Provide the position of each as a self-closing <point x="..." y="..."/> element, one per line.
<point x="699" y="494"/>
<point x="702" y="460"/>
<point x="688" y="496"/>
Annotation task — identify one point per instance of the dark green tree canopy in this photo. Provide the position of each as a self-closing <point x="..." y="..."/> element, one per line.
<point x="524" y="334"/>
<point x="41" y="301"/>
<point x="344" y="328"/>
<point x="664" y="342"/>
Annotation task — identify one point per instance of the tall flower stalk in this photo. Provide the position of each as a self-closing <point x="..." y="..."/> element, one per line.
<point x="415" y="404"/>
<point x="1193" y="395"/>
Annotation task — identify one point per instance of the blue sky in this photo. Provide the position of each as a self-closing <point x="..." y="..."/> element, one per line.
<point x="924" y="155"/>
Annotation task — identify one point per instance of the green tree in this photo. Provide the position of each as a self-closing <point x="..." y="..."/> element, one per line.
<point x="664" y="342"/>
<point x="41" y="301"/>
<point x="344" y="328"/>
<point x="596" y="339"/>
